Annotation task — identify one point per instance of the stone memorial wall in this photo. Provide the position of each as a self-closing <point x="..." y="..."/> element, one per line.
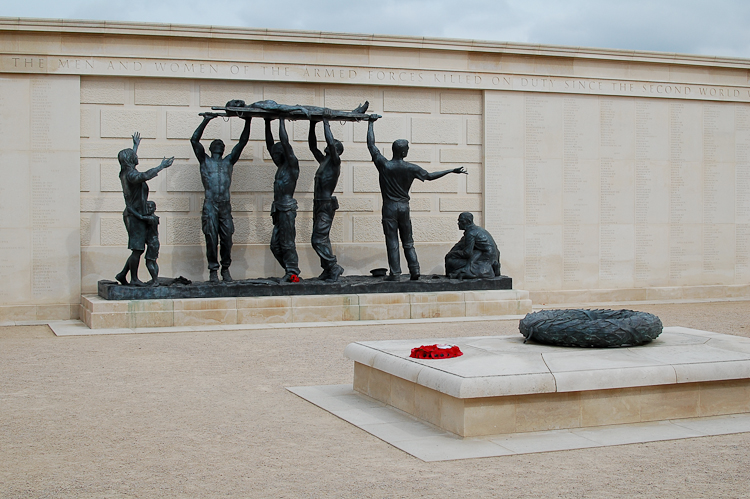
<point x="618" y="192"/>
<point x="604" y="175"/>
<point x="39" y="193"/>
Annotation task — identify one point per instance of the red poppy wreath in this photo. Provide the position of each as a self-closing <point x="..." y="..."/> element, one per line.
<point x="436" y="352"/>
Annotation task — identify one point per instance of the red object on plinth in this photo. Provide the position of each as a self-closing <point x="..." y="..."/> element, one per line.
<point x="436" y="352"/>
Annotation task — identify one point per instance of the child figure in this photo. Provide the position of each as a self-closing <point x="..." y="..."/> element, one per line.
<point x="152" y="242"/>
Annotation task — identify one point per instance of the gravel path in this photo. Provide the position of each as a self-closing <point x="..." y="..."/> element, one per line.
<point x="206" y="414"/>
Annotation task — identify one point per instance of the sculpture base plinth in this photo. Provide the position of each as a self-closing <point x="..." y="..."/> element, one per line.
<point x="501" y="385"/>
<point x="98" y="313"/>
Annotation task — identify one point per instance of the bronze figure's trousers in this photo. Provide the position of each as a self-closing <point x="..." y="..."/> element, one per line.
<point x="397" y="221"/>
<point x="282" y="240"/>
<point x="218" y="229"/>
<point x="323" y="212"/>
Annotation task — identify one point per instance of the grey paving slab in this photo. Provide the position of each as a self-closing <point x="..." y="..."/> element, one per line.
<point x="335" y="397"/>
<point x="636" y="433"/>
<point x="718" y="425"/>
<point x="509" y="344"/>
<point x="544" y="441"/>
<point x="738" y="346"/>
<point x="592" y="359"/>
<point x="499" y="364"/>
<point x="677" y="336"/>
<point x="442" y="448"/>
<point x="696" y="332"/>
<point x="429" y="443"/>
<point x="695" y="354"/>
<point x="361" y="417"/>
<point x="404" y="430"/>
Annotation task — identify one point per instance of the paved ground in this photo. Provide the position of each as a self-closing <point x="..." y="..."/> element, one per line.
<point x="206" y="415"/>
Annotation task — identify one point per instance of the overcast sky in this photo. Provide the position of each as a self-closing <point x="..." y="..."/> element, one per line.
<point x="717" y="27"/>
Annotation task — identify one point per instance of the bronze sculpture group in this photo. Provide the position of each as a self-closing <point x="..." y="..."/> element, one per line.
<point x="475" y="256"/>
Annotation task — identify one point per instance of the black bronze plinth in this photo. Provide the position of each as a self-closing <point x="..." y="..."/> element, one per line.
<point x="110" y="290"/>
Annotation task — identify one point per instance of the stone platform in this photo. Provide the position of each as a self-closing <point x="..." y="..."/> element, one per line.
<point x="503" y="386"/>
<point x="98" y="313"/>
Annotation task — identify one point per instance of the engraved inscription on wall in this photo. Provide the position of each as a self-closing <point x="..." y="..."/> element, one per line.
<point x="39" y="221"/>
<point x="43" y="214"/>
<point x="620" y="192"/>
<point x="365" y="75"/>
<point x="742" y="193"/>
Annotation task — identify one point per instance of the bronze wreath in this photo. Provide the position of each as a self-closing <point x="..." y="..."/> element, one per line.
<point x="590" y="328"/>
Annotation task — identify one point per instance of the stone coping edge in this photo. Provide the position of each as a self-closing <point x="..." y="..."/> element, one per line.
<point x="395" y="41"/>
<point x="422" y="373"/>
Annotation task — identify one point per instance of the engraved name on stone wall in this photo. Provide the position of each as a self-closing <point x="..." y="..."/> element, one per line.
<point x="605" y="192"/>
<point x="40" y="242"/>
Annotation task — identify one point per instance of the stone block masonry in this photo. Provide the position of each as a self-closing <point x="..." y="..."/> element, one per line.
<point x="98" y="313"/>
